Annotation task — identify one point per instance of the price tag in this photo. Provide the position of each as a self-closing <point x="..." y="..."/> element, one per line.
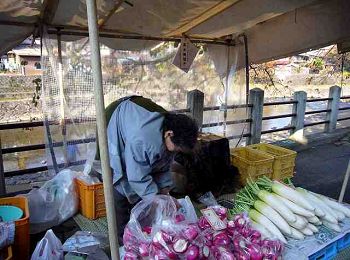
<point x="215" y="222"/>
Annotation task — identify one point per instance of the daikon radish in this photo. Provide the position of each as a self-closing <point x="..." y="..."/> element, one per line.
<point x="332" y="226"/>
<point x="292" y="195"/>
<point x="273" y="201"/>
<point x="273" y="215"/>
<point x="264" y="221"/>
<point x="296" y="234"/>
<point x="335" y="205"/>
<point x="296" y="208"/>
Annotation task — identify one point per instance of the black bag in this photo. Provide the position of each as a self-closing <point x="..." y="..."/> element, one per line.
<point x="209" y="168"/>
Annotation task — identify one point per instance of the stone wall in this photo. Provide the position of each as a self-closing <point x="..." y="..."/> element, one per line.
<point x="16" y="84"/>
<point x="16" y="93"/>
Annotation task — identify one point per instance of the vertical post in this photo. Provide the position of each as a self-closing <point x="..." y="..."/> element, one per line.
<point x="62" y="98"/>
<point x="256" y="97"/>
<point x="195" y="102"/>
<point x="299" y="110"/>
<point x="333" y="105"/>
<point x="246" y="68"/>
<point x="345" y="184"/>
<point x="2" y="174"/>
<point x="101" y="127"/>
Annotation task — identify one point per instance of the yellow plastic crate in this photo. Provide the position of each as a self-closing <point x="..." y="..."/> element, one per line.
<point x="91" y="199"/>
<point x="251" y="164"/>
<point x="284" y="160"/>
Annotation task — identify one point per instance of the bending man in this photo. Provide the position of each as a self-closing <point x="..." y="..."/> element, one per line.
<point x="142" y="139"/>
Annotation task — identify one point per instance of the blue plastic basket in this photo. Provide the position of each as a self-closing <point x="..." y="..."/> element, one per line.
<point x="326" y="253"/>
<point x="343" y="242"/>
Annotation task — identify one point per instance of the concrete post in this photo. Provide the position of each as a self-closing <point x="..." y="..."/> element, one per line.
<point x="256" y="98"/>
<point x="101" y="127"/>
<point x="195" y="102"/>
<point x="299" y="111"/>
<point x="333" y="105"/>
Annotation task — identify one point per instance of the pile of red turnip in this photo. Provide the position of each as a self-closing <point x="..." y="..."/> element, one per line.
<point x="177" y="239"/>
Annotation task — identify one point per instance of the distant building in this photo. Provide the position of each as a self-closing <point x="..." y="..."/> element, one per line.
<point x="25" y="59"/>
<point x="3" y="62"/>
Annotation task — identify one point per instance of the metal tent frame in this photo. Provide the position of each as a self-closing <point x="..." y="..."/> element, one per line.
<point x="257" y="36"/>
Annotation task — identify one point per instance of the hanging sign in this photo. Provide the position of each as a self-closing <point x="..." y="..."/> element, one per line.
<point x="185" y="55"/>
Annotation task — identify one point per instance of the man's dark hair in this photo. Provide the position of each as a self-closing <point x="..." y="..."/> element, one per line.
<point x="185" y="130"/>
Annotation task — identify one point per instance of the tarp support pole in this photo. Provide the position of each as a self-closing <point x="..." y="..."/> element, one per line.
<point x="101" y="127"/>
<point x="2" y="174"/>
<point x="246" y="68"/>
<point x="111" y="35"/>
<point x="345" y="183"/>
<point x="46" y="120"/>
<point x="62" y="99"/>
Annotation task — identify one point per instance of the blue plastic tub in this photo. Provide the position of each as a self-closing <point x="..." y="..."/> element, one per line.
<point x="326" y="253"/>
<point x="10" y="213"/>
<point x="343" y="242"/>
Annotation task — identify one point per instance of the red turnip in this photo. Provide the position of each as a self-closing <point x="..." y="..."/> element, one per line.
<point x="179" y="218"/>
<point x="221" y="239"/>
<point x="144" y="249"/>
<point x="205" y="252"/>
<point x="254" y="252"/>
<point x="190" y="232"/>
<point x="192" y="253"/>
<point x="226" y="254"/>
<point x="180" y="245"/>
<point x="203" y="223"/>
<point x="147" y="230"/>
<point x="130" y="256"/>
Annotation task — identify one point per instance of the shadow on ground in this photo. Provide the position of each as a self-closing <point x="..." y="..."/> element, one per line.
<point x="322" y="168"/>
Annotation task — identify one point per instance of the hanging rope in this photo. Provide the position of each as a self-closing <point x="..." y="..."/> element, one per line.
<point x="226" y="88"/>
<point x="247" y="84"/>
<point x="342" y="70"/>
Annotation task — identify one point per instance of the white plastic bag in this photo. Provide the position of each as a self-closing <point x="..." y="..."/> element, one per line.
<point x="187" y="210"/>
<point x="54" y="202"/>
<point x="48" y="248"/>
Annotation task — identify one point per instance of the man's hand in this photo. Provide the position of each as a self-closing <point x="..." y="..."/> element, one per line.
<point x="165" y="191"/>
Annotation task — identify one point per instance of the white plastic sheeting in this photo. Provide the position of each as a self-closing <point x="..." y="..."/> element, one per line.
<point x="274" y="28"/>
<point x="315" y="26"/>
<point x="147" y="73"/>
<point x="226" y="60"/>
<point x="244" y="15"/>
<point x="17" y="11"/>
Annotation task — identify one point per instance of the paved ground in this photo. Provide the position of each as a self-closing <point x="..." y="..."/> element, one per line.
<point x="319" y="168"/>
<point x="322" y="168"/>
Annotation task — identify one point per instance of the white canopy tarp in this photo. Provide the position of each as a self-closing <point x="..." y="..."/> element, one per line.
<point x="274" y="28"/>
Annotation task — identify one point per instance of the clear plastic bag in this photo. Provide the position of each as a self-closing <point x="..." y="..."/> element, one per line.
<point x="151" y="212"/>
<point x="7" y="234"/>
<point x="157" y="230"/>
<point x="48" y="248"/>
<point x="83" y="239"/>
<point x="187" y="210"/>
<point x="54" y="202"/>
<point x="208" y="199"/>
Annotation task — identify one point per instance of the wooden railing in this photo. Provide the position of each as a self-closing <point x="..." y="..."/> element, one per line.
<point x="195" y="107"/>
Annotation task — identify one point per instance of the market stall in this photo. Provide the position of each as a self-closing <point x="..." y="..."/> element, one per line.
<point x="236" y="33"/>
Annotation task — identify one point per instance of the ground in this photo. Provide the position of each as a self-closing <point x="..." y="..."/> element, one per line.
<point x="319" y="168"/>
<point x="322" y="168"/>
